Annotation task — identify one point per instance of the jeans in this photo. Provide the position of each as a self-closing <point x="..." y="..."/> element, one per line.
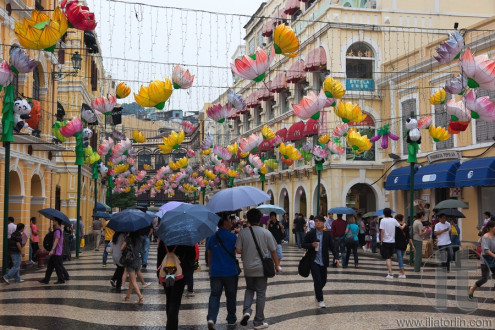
<point x="258" y="285"/>
<point x="189" y="279"/>
<point x="351" y="247"/>
<point x="418" y="255"/>
<point x="105" y="253"/>
<point x="373" y="243"/>
<point x="319" y="274"/>
<point x="287" y="234"/>
<point x="15" y="271"/>
<point x="299" y="238"/>
<point x="280" y="255"/>
<point x="145" y="249"/>
<point x="174" y="299"/>
<point x="446" y="255"/>
<point x="400" y="258"/>
<point x="485" y="271"/>
<point x="339" y="244"/>
<point x="217" y="284"/>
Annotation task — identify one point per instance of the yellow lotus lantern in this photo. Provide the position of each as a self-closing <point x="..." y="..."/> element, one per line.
<point x="174" y="139"/>
<point x="438" y="97"/>
<point x="138" y="137"/>
<point x="41" y="32"/>
<point x="267" y="133"/>
<point x="182" y="163"/>
<point x="132" y="179"/>
<point x="349" y="112"/>
<point x="233" y="148"/>
<point x="263" y="170"/>
<point x="289" y="151"/>
<point x="210" y="175"/>
<point x="147" y="167"/>
<point x="285" y="41"/>
<point x="127" y="190"/>
<point x="155" y="95"/>
<point x="324" y="139"/>
<point x="121" y="168"/>
<point x="244" y="154"/>
<point x="232" y="173"/>
<point x="438" y="133"/>
<point x="206" y="152"/>
<point x="271" y="163"/>
<point x="159" y="184"/>
<point x="165" y="149"/>
<point x="122" y="91"/>
<point x="333" y="88"/>
<point x="357" y="142"/>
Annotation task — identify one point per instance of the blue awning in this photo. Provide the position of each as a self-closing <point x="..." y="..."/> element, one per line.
<point x="438" y="175"/>
<point x="399" y="178"/>
<point x="476" y="172"/>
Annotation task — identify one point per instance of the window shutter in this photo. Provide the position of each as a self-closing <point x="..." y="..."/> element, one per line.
<point x="61" y="56"/>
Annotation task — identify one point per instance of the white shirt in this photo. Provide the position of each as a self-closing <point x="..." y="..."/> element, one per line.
<point x="388" y="225"/>
<point x="443" y="238"/>
<point x="311" y="225"/>
<point x="11" y="228"/>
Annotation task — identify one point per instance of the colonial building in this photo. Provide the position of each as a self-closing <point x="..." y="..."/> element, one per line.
<point x="349" y="41"/>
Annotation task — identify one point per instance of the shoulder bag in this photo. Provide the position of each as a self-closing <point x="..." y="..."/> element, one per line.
<point x="304" y="267"/>
<point x="239" y="270"/>
<point x="349" y="236"/>
<point x="268" y="264"/>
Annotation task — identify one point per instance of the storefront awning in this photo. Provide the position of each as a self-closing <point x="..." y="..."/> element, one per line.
<point x="296" y="72"/>
<point x="268" y="28"/>
<point x="291" y="6"/>
<point x="311" y="127"/>
<point x="438" y="175"/>
<point x="252" y="101"/>
<point x="296" y="131"/>
<point x="279" y="83"/>
<point x="264" y="94"/>
<point x="282" y="133"/>
<point x="476" y="172"/>
<point x="399" y="179"/>
<point x="265" y="146"/>
<point x="316" y="60"/>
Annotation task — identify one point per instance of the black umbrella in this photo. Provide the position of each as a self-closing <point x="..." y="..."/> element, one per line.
<point x="102" y="215"/>
<point x="451" y="213"/>
<point x="54" y="214"/>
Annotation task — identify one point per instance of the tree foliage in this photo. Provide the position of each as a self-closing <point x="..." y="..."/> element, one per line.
<point x="123" y="200"/>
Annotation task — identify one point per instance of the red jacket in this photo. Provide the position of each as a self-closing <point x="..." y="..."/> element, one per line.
<point x="338" y="227"/>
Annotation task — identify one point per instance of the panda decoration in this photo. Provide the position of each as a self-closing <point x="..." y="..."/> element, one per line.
<point x="102" y="169"/>
<point x="88" y="115"/>
<point x="21" y="111"/>
<point x="87" y="134"/>
<point x="413" y="134"/>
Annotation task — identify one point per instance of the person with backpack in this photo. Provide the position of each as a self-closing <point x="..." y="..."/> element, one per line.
<point x="55" y="260"/>
<point x="116" y="243"/>
<point x="402" y="240"/>
<point x="15" y="250"/>
<point x="174" y="286"/>
<point x="351" y="243"/>
<point x="131" y="260"/>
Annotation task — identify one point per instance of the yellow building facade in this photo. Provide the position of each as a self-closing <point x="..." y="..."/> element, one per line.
<point x="349" y="41"/>
<point x="42" y="174"/>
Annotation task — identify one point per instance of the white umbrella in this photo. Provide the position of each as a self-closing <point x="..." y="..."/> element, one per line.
<point x="232" y="199"/>
<point x="269" y="208"/>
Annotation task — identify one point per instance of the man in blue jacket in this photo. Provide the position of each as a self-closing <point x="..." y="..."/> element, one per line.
<point x="318" y="243"/>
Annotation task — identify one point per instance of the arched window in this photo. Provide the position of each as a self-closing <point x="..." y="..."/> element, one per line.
<point x="360" y="62"/>
<point x="36" y="84"/>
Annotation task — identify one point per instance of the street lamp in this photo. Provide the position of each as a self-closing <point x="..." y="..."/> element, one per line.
<point x="76" y="60"/>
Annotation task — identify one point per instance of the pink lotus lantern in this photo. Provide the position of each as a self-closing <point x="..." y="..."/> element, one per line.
<point x="250" y="144"/>
<point x="72" y="127"/>
<point x="479" y="70"/>
<point x="188" y="127"/>
<point x="218" y="113"/>
<point x="78" y="15"/>
<point x="253" y="67"/>
<point x="104" y="105"/>
<point x="341" y="130"/>
<point x="424" y="122"/>
<point x="481" y="107"/>
<point x="6" y="74"/>
<point x="181" y="78"/>
<point x="335" y="149"/>
<point x="310" y="106"/>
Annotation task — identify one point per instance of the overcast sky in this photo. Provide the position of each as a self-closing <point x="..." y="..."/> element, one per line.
<point x="141" y="43"/>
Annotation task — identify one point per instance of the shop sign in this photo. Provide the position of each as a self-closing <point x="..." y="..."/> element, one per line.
<point x="429" y="178"/>
<point x="143" y="203"/>
<point x="443" y="155"/>
<point x="158" y="204"/>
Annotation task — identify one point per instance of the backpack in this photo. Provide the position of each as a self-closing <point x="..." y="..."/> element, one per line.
<point x="170" y="269"/>
<point x="127" y="257"/>
<point x="48" y="240"/>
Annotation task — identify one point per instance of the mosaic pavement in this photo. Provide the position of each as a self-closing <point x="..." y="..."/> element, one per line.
<point x="356" y="299"/>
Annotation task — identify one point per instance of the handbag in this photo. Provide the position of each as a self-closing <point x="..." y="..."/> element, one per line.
<point x="304" y="267"/>
<point x="268" y="264"/>
<point x="349" y="237"/>
<point x="127" y="257"/>
<point x="239" y="270"/>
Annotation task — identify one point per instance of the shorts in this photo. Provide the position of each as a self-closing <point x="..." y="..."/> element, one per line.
<point x="387" y="250"/>
<point x="133" y="269"/>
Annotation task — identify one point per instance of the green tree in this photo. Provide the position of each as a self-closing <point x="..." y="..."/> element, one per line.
<point x="123" y="200"/>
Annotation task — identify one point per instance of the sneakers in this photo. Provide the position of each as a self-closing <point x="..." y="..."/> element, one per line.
<point x="20" y="281"/>
<point x="189" y="294"/>
<point x="5" y="280"/>
<point x="146" y="284"/>
<point x="261" y="326"/>
<point x="390" y="277"/>
<point x="245" y="319"/>
<point x="211" y="325"/>
<point x="112" y="282"/>
<point x="402" y="275"/>
<point x="322" y="304"/>
<point x="43" y="281"/>
<point x="104" y="266"/>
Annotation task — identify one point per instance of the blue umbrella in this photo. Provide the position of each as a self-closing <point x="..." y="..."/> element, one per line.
<point x="187" y="224"/>
<point x="341" y="210"/>
<point x="379" y="213"/>
<point x="232" y="199"/>
<point x="102" y="215"/>
<point x="100" y="207"/>
<point x="170" y="205"/>
<point x="268" y="208"/>
<point x="54" y="214"/>
<point x="129" y="220"/>
<point x="151" y="214"/>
